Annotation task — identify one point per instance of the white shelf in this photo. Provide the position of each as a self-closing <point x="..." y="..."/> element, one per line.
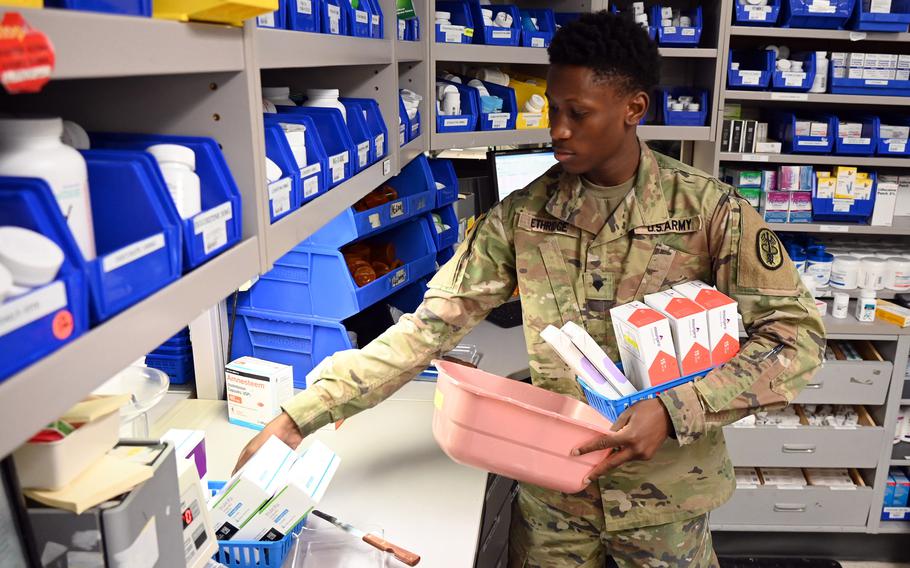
<point x="689" y="53"/>
<point x="471" y="53"/>
<point x="410" y="51"/>
<point x="805" y="33"/>
<point x="67" y="375"/>
<point x="92" y="45"/>
<point x="901" y="226"/>
<point x="838" y="160"/>
<point x="448" y="140"/>
<point x="287" y="49"/>
<point x="689" y="133"/>
<point x="789" y="98"/>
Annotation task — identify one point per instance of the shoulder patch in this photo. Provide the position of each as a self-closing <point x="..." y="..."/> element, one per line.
<point x="551" y="225"/>
<point x="682" y="225"/>
<point x="768" y="249"/>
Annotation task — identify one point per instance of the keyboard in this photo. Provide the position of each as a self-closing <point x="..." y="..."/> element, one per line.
<point x="507" y="315"/>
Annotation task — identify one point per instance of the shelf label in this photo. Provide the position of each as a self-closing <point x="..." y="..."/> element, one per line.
<point x="499" y="119"/>
<point x="755" y="157"/>
<point x="26" y="56"/>
<point x="310" y="186"/>
<point x="386" y="167"/>
<point x="750" y="77"/>
<point x="401" y="133"/>
<point x="31" y="307"/>
<point x="688" y="32"/>
<point x="857" y="36"/>
<point x="538" y="42"/>
<point x="455" y="122"/>
<point x="822" y="7"/>
<point x="399" y="277"/>
<point x="310" y="170"/>
<point x="834" y="229"/>
<point x="453" y="33"/>
<point x="856" y="141"/>
<point x="334" y="17"/>
<point x="304" y="6"/>
<point x="789" y="96"/>
<point x="375" y="19"/>
<point x="338" y="159"/>
<point x="896" y="513"/>
<point x="132" y="252"/>
<point x="379" y="144"/>
<point x="501" y="34"/>
<point x="363" y="154"/>
<point x="266" y="20"/>
<point x="212" y="224"/>
<point x="876" y="82"/>
<point x="362" y="17"/>
<point x="397" y="209"/>
<point x="669" y="29"/>
<point x="897" y="146"/>
<point x="280" y="196"/>
<point x="374" y="220"/>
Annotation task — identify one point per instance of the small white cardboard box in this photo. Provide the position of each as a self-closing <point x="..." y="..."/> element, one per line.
<point x="256" y="390"/>
<point x="689" y="324"/>
<point x="723" y="319"/>
<point x="645" y="345"/>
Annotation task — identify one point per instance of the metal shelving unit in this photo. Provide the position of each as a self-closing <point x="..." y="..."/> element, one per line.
<point x="814" y="159"/>
<point x="805" y="33"/>
<point x="809" y="98"/>
<point x="276" y="49"/>
<point x="901" y="226"/>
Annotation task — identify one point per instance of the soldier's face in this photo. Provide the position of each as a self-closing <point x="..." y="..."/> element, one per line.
<point x="590" y="119"/>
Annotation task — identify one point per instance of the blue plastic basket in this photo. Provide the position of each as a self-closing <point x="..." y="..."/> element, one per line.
<point x="303" y="15"/>
<point x="444" y="173"/>
<point x="504" y="120"/>
<point x="805" y="14"/>
<point x="447" y="238"/>
<point x="677" y="36"/>
<point x="29" y="203"/>
<point x="284" y="194"/>
<point x="127" y="7"/>
<point x="755" y="69"/>
<point x="897" y="20"/>
<point x="277" y="20"/>
<point x="359" y="19"/>
<point x="860" y="210"/>
<point x="375" y="124"/>
<point x="784" y="127"/>
<point x="865" y="145"/>
<point x="684" y="117"/>
<point x="332" y="17"/>
<point x="251" y="553"/>
<point x="315" y="177"/>
<point x="377" y="20"/>
<point x="290" y="339"/>
<point x="470" y="113"/>
<point x="361" y="136"/>
<point x="492" y="35"/>
<point x="138" y="257"/>
<point x="218" y="227"/>
<point x="178" y="368"/>
<point x="800" y="81"/>
<point x="885" y="146"/>
<point x="461" y="16"/>
<point x="336" y="139"/>
<point x="546" y="27"/>
<point x="748" y="15"/>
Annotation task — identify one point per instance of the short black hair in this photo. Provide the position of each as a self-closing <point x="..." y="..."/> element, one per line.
<point x="614" y="46"/>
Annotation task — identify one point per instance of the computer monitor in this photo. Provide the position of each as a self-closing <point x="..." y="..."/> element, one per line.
<point x="515" y="169"/>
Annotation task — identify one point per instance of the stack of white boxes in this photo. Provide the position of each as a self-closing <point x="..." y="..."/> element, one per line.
<point x="874" y="66"/>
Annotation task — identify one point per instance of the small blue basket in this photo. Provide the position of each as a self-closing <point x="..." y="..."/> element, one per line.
<point x="333" y="18"/>
<point x="276" y="20"/>
<point x="675" y="36"/>
<point x="460" y="16"/>
<point x="470" y="113"/>
<point x="747" y="15"/>
<point x="336" y="140"/>
<point x="375" y="124"/>
<point x="302" y="15"/>
<point x="799" y="81"/>
<point x="444" y="173"/>
<point x="493" y="35"/>
<point x="315" y="177"/>
<point x="804" y="14"/>
<point x="284" y="194"/>
<point x="887" y="147"/>
<point x="359" y="19"/>
<point x="447" y="238"/>
<point x="783" y="126"/>
<point x="896" y="21"/>
<point x="755" y="69"/>
<point x="860" y="211"/>
<point x="865" y="144"/>
<point x="546" y="27"/>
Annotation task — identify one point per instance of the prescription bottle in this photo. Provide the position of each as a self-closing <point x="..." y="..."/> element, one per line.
<point x="178" y="166"/>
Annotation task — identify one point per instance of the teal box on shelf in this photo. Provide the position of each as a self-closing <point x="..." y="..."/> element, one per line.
<point x="303" y="15"/>
<point x="375" y="124"/>
<point x="444" y="174"/>
<point x="314" y="178"/>
<point x="336" y="140"/>
<point x="48" y="317"/>
<point x="137" y="237"/>
<point x="332" y="17"/>
<point x="284" y="194"/>
<point x="218" y="226"/>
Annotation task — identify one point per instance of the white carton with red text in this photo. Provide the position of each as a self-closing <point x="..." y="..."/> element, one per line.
<point x="689" y="324"/>
<point x="723" y="320"/>
<point x="256" y="389"/>
<point x="645" y="345"/>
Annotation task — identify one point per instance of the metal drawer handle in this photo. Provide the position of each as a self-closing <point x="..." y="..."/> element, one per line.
<point x="814" y="386"/>
<point x="785" y="508"/>
<point x="791" y="449"/>
<point x="867" y="382"/>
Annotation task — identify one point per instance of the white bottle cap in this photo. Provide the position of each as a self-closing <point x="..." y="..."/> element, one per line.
<point x="440" y="15"/>
<point x="866" y="293"/>
<point x="6" y="283"/>
<point x="784" y="52"/>
<point x="269" y="107"/>
<point x="685" y="22"/>
<point x="775" y="49"/>
<point x="272" y="171"/>
<point x="31" y="258"/>
<point x="276" y="92"/>
<point x="175" y="153"/>
<point x="784" y="64"/>
<point x="694" y="107"/>
<point x="535" y="103"/>
<point x="75" y="136"/>
<point x="796" y="66"/>
<point x="322" y="93"/>
<point x="31" y="127"/>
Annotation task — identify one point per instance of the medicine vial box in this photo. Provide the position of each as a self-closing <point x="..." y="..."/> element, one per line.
<point x="689" y="325"/>
<point x="645" y="345"/>
<point x="256" y="389"/>
<point x="783" y="476"/>
<point x="723" y="320"/>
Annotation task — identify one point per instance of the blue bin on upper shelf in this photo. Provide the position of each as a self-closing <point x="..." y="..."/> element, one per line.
<point x="314" y="280"/>
<point x="470" y="114"/>
<point x="124" y="7"/>
<point x="218" y="227"/>
<point x="503" y="120"/>
<point x="415" y="189"/>
<point x="377" y="20"/>
<point x="568" y="17"/>
<point x="494" y="35"/>
<point x="284" y="194"/>
<point x="862" y="145"/>
<point x="860" y="210"/>
<point x="448" y="237"/>
<point x="897" y="20"/>
<point x="783" y="127"/>
<point x="63" y="304"/>
<point x="375" y="124"/>
<point x="333" y="18"/>
<point x="460" y="17"/>
<point x="888" y="146"/>
<point x="315" y="177"/>
<point x="336" y="140"/>
<point x="800" y="81"/>
<point x="748" y="15"/>
<point x="303" y="15"/>
<point x="677" y="36"/>
<point x="359" y="19"/>
<point x="809" y="14"/>
<point x="404" y="124"/>
<point x="444" y="173"/>
<point x="755" y="69"/>
<point x="685" y="117"/>
<point x="276" y="20"/>
<point x="137" y="257"/>
<point x="546" y="27"/>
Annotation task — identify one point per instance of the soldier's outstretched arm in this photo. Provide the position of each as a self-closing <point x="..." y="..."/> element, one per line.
<point x="786" y="337"/>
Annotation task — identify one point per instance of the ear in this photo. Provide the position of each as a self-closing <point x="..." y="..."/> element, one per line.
<point x="636" y="107"/>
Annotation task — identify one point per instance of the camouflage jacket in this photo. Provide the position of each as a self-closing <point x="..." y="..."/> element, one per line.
<point x="677" y="224"/>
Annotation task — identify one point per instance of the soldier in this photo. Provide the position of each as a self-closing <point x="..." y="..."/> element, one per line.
<point x="611" y="222"/>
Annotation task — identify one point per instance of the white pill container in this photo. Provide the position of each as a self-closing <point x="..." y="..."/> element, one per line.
<point x="296" y="137"/>
<point x="178" y="166"/>
<point x="873" y="273"/>
<point x="841" y="305"/>
<point x="865" y="306"/>
<point x="535" y="103"/>
<point x="280" y="96"/>
<point x="31" y="258"/>
<point x="845" y="272"/>
<point x="325" y="98"/>
<point x="897" y="273"/>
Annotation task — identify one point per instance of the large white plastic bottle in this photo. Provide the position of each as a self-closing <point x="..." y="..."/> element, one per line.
<point x="280" y="96"/>
<point x="32" y="147"/>
<point x="178" y="166"/>
<point x="325" y="98"/>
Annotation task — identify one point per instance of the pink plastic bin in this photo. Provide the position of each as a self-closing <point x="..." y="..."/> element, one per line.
<point x="514" y="429"/>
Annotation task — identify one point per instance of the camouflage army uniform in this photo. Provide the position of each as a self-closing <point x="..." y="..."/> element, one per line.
<point x="677" y="224"/>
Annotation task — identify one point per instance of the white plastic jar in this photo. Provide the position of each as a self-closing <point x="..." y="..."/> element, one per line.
<point x="178" y="166"/>
<point x="897" y="273"/>
<point x="280" y="96"/>
<point x="325" y="98"/>
<point x="819" y="267"/>
<point x="841" y="304"/>
<point x="32" y="147"/>
<point x="845" y="272"/>
<point x="873" y="269"/>
<point x="31" y="258"/>
<point x="535" y="103"/>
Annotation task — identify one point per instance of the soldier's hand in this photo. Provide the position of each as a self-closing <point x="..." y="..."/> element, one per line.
<point x="282" y="427"/>
<point x="637" y="435"/>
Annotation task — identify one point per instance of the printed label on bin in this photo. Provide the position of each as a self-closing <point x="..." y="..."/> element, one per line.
<point x="455" y="122"/>
<point x="823" y="8"/>
<point x="688" y="31"/>
<point x="379" y="145"/>
<point x="401" y="132"/>
<point x="812" y="143"/>
<point x="310" y="170"/>
<point x="362" y="17"/>
<point x="750" y="77"/>
<point x="375" y="19"/>
<point x="363" y="154"/>
<point x="374" y="220"/>
<point x="397" y="209"/>
<point x="897" y="146"/>
<point x="453" y="36"/>
<point x="538" y="42"/>
<point x="337" y="163"/>
<point x="310" y="186"/>
<point x="280" y="196"/>
<point x="305" y="6"/>
<point x="502" y="34"/>
<point x="266" y="20"/>
<point x="132" y="252"/>
<point x="214" y="239"/>
<point x="399" y="277"/>
<point x="337" y="173"/>
<point x="499" y="119"/>
<point x="793" y="78"/>
<point x="31" y="307"/>
<point x="334" y="15"/>
<point x="214" y="217"/>
<point x="415" y="128"/>
<point x="669" y="29"/>
<point x="877" y="82"/>
<point x="842" y="205"/>
<point x="532" y="119"/>
<point x="857" y="140"/>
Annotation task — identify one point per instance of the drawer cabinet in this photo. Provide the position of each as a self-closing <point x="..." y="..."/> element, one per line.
<point x="848" y="382"/>
<point x="807" y="506"/>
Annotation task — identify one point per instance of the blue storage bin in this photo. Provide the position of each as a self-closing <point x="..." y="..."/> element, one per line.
<point x="359" y="18"/>
<point x="882" y="87"/>
<point x="333" y="18"/>
<point x="341" y="153"/>
<point x="897" y="148"/>
<point x="377" y="20"/>
<point x="315" y="177"/>
<point x="404" y="124"/>
<point x="415" y="189"/>
<point x="863" y="145"/>
<point x="445" y="255"/>
<point x="652" y="31"/>
<point x="127" y="7"/>
<point x="276" y="20"/>
<point x="896" y="21"/>
<point x="492" y="35"/>
<point x="800" y="81"/>
<point x="315" y="280"/>
<point x="860" y="210"/>
<point x="674" y="36"/>
<point x="546" y="27"/>
<point x="361" y="136"/>
<point x="415" y="127"/>
<point x="412" y="30"/>
<point x="755" y="69"/>
<point x="685" y="117"/>
<point x="375" y="124"/>
<point x="179" y="368"/>
<point x="783" y="126"/>
<point x="303" y="15"/>
<point x="748" y="15"/>
<point x="444" y="173"/>
<point x="410" y="297"/>
<point x="284" y="194"/>
<point x="461" y="16"/>
<point x="504" y="120"/>
<point x="447" y="238"/>
<point x="470" y="113"/>
<point x="807" y="14"/>
<point x="218" y="227"/>
<point x="137" y="236"/>
<point x="59" y="311"/>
